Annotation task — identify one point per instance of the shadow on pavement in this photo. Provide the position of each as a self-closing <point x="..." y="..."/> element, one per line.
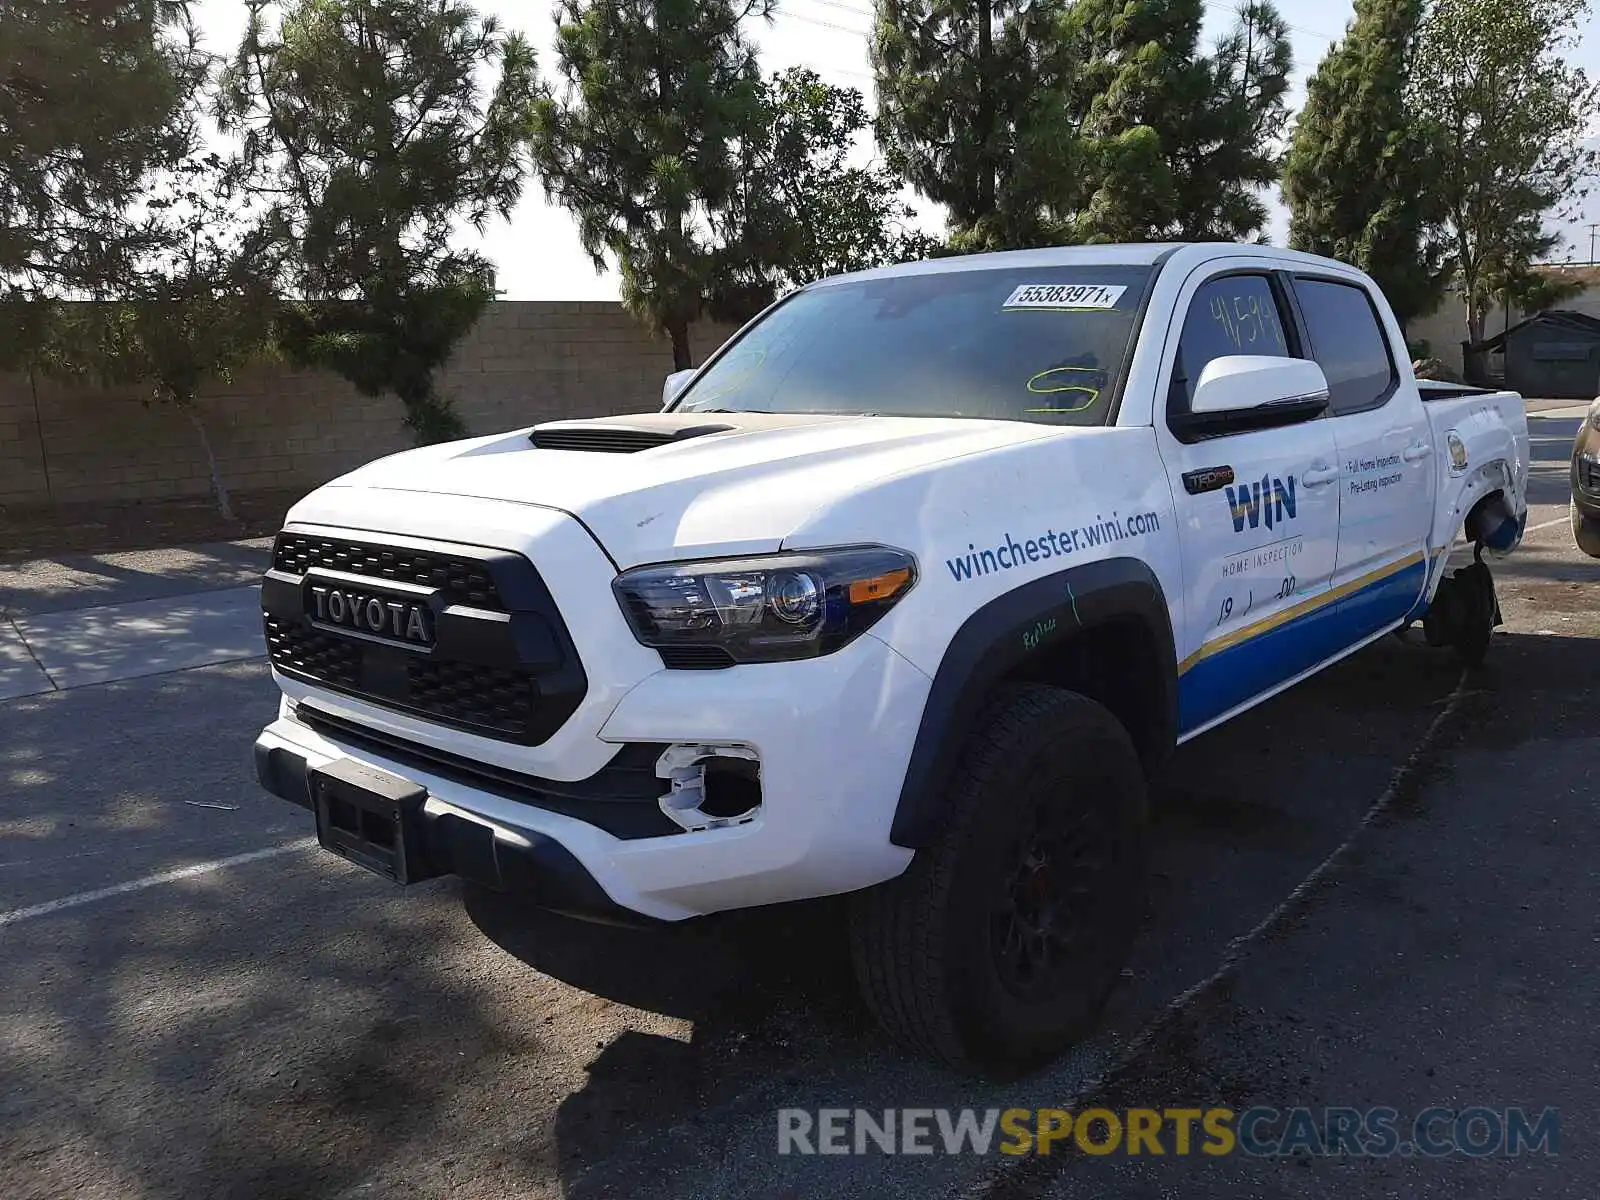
<point x="1246" y="812"/>
<point x="72" y="581"/>
<point x="292" y="1027"/>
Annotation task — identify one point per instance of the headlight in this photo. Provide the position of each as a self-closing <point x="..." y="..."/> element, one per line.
<point x="1594" y="415"/>
<point x="769" y="609"/>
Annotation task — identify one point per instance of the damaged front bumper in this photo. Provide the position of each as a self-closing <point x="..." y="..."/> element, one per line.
<point x="725" y="790"/>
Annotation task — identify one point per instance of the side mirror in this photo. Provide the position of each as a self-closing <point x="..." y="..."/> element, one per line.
<point x="1241" y="392"/>
<point x="675" y="383"/>
<point x="1248" y="381"/>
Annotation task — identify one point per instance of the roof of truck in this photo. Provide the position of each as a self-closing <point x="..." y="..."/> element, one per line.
<point x="1127" y="254"/>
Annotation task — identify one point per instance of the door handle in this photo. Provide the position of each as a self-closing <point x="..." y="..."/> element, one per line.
<point x="1417" y="452"/>
<point x="1319" y="476"/>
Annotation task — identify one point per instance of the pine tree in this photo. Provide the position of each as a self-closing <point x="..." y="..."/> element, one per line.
<point x="972" y="112"/>
<point x="379" y="127"/>
<point x="1355" y="179"/>
<point x="643" y="143"/>
<point x="1083" y="120"/>
<point x="804" y="209"/>
<point x="1180" y="143"/>
<point x="91" y="103"/>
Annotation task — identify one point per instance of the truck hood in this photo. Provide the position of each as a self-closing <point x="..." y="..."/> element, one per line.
<point x="665" y="486"/>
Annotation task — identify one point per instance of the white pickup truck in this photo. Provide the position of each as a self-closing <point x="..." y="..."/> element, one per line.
<point x="906" y="593"/>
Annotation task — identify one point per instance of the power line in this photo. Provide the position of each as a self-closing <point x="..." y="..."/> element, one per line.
<point x="849" y="8"/>
<point x="794" y="16"/>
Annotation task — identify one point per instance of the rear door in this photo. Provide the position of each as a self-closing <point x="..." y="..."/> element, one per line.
<point x="1386" y="455"/>
<point x="1258" y="510"/>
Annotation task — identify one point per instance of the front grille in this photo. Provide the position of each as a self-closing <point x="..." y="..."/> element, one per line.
<point x="473" y="696"/>
<point x="491" y="701"/>
<point x="327" y="659"/>
<point x="465" y="581"/>
<point x="501" y="663"/>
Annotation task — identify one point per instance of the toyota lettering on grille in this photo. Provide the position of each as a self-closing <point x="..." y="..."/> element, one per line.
<point x="402" y="621"/>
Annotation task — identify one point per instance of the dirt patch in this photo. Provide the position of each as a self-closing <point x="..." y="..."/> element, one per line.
<point x="40" y="532"/>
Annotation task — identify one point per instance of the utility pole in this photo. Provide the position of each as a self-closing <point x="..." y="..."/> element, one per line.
<point x="1592" y="229"/>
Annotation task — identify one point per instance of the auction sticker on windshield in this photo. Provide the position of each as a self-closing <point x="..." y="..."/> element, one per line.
<point x="1064" y="295"/>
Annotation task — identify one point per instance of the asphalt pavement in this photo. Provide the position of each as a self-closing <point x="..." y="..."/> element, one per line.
<point x="198" y="1002"/>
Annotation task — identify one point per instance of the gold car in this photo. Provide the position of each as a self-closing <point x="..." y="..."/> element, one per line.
<point x="1586" y="484"/>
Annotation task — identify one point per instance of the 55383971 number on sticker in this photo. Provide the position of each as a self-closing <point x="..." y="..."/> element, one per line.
<point x="1065" y="295"/>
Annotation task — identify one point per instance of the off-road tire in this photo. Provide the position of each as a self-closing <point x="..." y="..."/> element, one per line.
<point x="926" y="949"/>
<point x="1480" y="615"/>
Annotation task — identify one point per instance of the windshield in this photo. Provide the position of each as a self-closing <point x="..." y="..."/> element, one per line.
<point x="1020" y="344"/>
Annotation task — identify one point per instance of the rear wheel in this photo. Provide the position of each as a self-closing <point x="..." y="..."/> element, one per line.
<point x="1464" y="613"/>
<point x="997" y="948"/>
<point x="1585" y="532"/>
<point x="1480" y="614"/>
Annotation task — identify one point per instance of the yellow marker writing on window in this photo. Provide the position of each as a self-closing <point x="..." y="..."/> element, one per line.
<point x="1058" y="381"/>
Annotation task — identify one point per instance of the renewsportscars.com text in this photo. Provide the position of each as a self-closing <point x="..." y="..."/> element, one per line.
<point x="1052" y="543"/>
<point x="1260" y="1132"/>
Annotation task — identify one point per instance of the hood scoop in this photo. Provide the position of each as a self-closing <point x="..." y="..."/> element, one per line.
<point x="622" y="435"/>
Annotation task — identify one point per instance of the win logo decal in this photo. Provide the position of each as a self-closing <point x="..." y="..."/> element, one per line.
<point x="1269" y="502"/>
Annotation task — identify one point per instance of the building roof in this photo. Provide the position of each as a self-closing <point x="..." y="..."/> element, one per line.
<point x="1563" y="319"/>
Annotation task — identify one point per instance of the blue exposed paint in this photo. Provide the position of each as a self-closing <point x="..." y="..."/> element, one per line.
<point x="1227" y="679"/>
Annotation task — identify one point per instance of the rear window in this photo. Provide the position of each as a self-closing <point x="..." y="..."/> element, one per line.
<point x="1019" y="344"/>
<point x="1348" y="344"/>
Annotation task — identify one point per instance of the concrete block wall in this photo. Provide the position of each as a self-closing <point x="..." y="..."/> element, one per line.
<point x="280" y="428"/>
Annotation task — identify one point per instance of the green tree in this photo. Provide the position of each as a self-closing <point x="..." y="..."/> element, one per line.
<point x="91" y="97"/>
<point x="380" y="127"/>
<point x="1503" y="118"/>
<point x="1355" y="179"/>
<point x="1175" y="144"/>
<point x="804" y="209"/>
<point x="643" y="141"/>
<point x="1083" y="120"/>
<point x="200" y="305"/>
<point x="973" y="112"/>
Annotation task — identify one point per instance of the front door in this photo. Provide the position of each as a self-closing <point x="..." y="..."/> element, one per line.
<point x="1259" y="513"/>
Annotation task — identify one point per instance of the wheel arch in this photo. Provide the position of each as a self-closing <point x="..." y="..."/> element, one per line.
<point x="1065" y="628"/>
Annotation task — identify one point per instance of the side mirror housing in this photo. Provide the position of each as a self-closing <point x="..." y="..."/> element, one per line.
<point x="1238" y="381"/>
<point x="675" y="383"/>
<point x="1241" y="392"/>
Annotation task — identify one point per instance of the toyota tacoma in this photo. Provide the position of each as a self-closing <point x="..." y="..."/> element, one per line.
<point x="905" y="593"/>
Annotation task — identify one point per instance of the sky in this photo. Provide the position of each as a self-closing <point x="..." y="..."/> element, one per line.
<point x="537" y="254"/>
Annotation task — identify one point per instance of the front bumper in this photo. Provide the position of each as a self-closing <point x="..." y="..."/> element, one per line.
<point x="832" y="736"/>
<point x="524" y="862"/>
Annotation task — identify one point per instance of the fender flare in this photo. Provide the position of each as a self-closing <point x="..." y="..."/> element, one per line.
<point x="995" y="639"/>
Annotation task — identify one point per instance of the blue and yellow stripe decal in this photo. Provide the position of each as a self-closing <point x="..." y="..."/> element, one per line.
<point x="1247" y="662"/>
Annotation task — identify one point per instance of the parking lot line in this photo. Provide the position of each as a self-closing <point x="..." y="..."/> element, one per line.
<point x="1546" y="525"/>
<point x="18" y="915"/>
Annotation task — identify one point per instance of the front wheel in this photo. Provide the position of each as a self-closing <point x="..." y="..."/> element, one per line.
<point x="997" y="948"/>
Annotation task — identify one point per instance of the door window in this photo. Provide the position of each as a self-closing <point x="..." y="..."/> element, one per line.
<point x="1232" y="314"/>
<point x="1348" y="344"/>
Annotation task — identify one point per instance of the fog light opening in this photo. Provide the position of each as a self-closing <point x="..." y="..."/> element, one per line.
<point x="711" y="786"/>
